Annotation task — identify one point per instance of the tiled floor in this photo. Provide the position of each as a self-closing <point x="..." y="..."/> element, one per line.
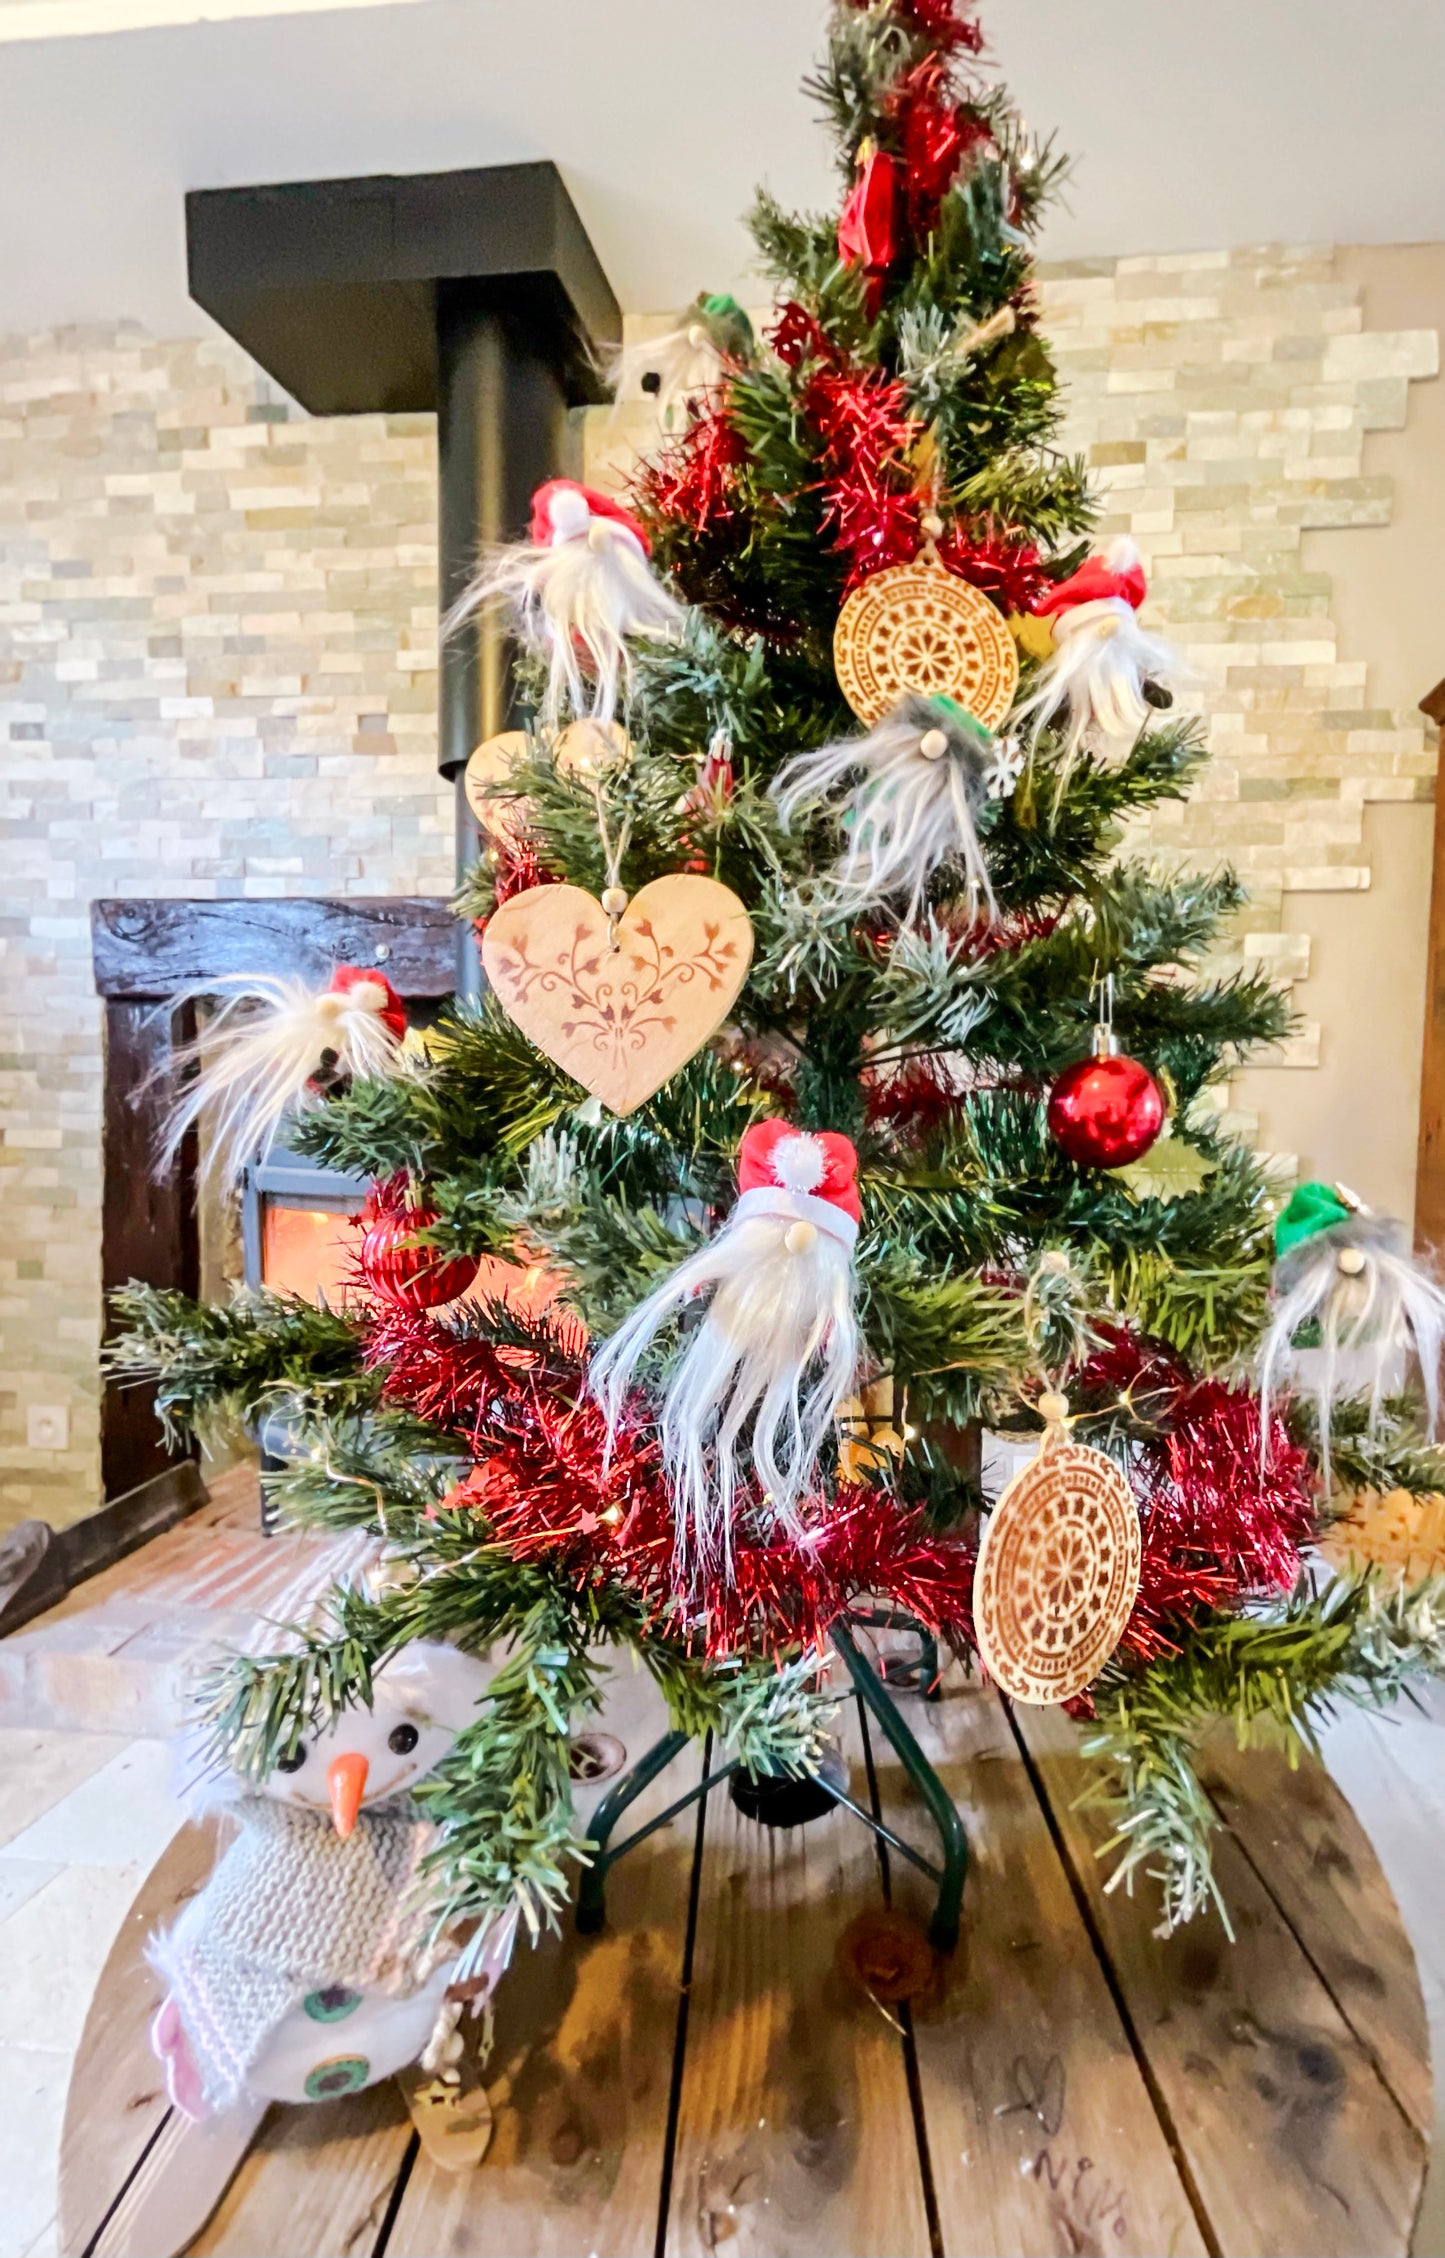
<point x="90" y="1695"/>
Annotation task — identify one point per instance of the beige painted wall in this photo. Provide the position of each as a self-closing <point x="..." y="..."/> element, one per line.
<point x="1356" y="1117"/>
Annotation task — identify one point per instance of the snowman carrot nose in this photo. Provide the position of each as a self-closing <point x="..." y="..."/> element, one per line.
<point x="346" y="1780"/>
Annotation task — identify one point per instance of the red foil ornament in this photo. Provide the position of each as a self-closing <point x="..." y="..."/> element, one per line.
<point x="1107" y="1110"/>
<point x="394" y="1266"/>
<point x="871" y="226"/>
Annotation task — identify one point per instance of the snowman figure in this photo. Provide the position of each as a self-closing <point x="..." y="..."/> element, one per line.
<point x="309" y="1965"/>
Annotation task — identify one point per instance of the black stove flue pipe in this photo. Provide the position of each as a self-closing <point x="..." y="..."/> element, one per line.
<point x="475" y="295"/>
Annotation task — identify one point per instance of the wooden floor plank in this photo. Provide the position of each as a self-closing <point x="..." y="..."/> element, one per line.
<point x="580" y="2073"/>
<point x="1291" y="2138"/>
<point x="316" y="2181"/>
<point x="117" y="2095"/>
<point x="1315" y="1859"/>
<point x="795" y="2131"/>
<point x="1041" y="2133"/>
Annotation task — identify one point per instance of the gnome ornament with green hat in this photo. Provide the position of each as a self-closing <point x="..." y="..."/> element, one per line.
<point x="907" y="796"/>
<point x="685" y="363"/>
<point x="1345" y="1281"/>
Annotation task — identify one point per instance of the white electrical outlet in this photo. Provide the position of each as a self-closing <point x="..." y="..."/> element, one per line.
<point x="47" y="1426"/>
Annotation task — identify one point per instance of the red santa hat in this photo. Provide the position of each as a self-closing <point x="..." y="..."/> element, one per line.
<point x="1116" y="574"/>
<point x="809" y="1175"/>
<point x="366" y="989"/>
<point x="564" y="511"/>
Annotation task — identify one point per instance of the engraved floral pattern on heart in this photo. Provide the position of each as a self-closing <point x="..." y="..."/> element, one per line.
<point x="620" y="994"/>
<point x="620" y="1004"/>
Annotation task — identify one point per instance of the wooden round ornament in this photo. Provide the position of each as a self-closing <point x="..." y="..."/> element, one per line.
<point x="490" y="764"/>
<point x="918" y="627"/>
<point x="1058" y="1572"/>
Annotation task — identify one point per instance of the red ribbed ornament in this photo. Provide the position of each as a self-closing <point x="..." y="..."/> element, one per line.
<point x="1106" y="1111"/>
<point x="395" y="1266"/>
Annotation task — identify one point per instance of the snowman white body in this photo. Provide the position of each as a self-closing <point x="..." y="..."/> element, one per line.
<point x="335" y="2035"/>
<point x="341" y="2036"/>
<point x="339" y="2040"/>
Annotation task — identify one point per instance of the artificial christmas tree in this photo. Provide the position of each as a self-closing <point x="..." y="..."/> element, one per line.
<point x="787" y="1137"/>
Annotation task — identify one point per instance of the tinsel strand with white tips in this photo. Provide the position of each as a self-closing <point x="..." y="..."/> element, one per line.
<point x="258" y="1054"/>
<point x="917" y="779"/>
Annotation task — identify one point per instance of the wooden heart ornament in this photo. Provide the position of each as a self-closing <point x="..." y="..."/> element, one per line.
<point x="620" y="1006"/>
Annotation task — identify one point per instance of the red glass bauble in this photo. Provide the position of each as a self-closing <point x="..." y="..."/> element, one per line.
<point x="394" y="1265"/>
<point x="1105" y="1112"/>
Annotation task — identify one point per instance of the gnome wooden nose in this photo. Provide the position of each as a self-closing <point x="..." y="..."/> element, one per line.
<point x="933" y="744"/>
<point x="346" y="1784"/>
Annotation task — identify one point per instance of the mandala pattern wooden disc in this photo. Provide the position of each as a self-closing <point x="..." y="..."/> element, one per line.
<point x="919" y="627"/>
<point x="1057" y="1575"/>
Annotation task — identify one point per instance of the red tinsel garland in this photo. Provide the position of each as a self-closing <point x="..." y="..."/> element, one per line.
<point x="1005" y="566"/>
<point x="545" y="1487"/>
<point x="516" y="868"/>
<point x="935" y="134"/>
<point x="871" y="503"/>
<point x="939" y="19"/>
<point x="693" y="480"/>
<point x="1219" y="1527"/>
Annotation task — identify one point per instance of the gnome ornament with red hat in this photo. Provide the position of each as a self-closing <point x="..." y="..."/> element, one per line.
<point x="262" y="1053"/>
<point x="577" y="589"/>
<point x="1105" y="669"/>
<point x="762" y="1377"/>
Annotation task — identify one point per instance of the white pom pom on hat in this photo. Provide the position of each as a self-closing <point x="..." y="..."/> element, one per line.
<point x="563" y="510"/>
<point x="798" y="1163"/>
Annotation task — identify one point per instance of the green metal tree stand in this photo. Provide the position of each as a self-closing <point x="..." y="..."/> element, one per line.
<point x="874" y="1692"/>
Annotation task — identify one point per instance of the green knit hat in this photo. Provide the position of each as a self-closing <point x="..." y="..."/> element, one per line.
<point x="730" y="328"/>
<point x="1312" y="1208"/>
<point x="969" y="723"/>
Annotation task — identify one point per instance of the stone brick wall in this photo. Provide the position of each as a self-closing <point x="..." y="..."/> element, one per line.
<point x="217" y="653"/>
<point x="1223" y="400"/>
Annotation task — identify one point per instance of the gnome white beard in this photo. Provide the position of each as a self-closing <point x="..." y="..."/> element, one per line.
<point x="686" y="363"/>
<point x="258" y="1054"/>
<point x="1101" y="659"/>
<point x="589" y="594"/>
<point x="909" y="814"/>
<point x="775" y="1316"/>
<point x="1387" y="1305"/>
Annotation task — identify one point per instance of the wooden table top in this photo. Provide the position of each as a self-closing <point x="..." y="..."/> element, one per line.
<point x="703" y="2077"/>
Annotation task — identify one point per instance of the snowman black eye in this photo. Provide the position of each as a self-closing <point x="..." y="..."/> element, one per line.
<point x="402" y="1739"/>
<point x="294" y="1760"/>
